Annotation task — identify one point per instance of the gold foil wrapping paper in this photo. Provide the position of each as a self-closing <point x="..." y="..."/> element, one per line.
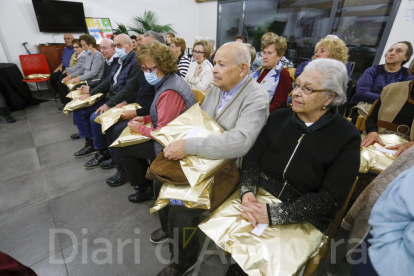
<point x="72" y="86"/>
<point x="192" y="123"/>
<point x="129" y="138"/>
<point x="77" y="104"/>
<point x="112" y="115"/>
<point x="185" y="195"/>
<point x="74" y="94"/>
<point x="375" y="160"/>
<point x="280" y="250"/>
<point x="37" y="76"/>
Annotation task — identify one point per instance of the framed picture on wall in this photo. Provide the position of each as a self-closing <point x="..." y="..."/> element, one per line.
<point x="99" y="28"/>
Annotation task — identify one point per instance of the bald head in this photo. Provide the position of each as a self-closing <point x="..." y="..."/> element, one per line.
<point x="238" y="52"/>
<point x="68" y="39"/>
<point x="107" y="48"/>
<point x="123" y="41"/>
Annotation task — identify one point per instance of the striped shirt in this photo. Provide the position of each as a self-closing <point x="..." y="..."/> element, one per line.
<point x="183" y="64"/>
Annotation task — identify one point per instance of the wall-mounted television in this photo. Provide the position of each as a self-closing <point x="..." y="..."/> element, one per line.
<point x="60" y="16"/>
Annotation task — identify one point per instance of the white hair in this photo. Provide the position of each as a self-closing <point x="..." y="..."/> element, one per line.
<point x="198" y="38"/>
<point x="211" y="40"/>
<point x="157" y="36"/>
<point x="336" y="77"/>
<point x="241" y="53"/>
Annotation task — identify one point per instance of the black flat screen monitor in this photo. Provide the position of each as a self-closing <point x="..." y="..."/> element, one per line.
<point x="60" y="16"/>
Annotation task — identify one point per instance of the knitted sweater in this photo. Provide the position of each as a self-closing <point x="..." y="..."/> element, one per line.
<point x="92" y="68"/>
<point x="321" y="171"/>
<point x="242" y="119"/>
<point x="204" y="81"/>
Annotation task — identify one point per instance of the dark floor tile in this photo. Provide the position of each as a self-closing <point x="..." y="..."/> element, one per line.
<point x="137" y="257"/>
<point x="25" y="234"/>
<point x="15" y="143"/>
<point x="53" y="135"/>
<point x="93" y="207"/>
<point x="20" y="192"/>
<point x="44" y="121"/>
<point x="71" y="175"/>
<point x="59" y="152"/>
<point x="18" y="163"/>
<point x="54" y="265"/>
<point x="45" y="107"/>
<point x="19" y="127"/>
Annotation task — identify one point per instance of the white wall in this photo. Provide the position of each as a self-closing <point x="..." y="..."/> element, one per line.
<point x="400" y="31"/>
<point x="18" y="22"/>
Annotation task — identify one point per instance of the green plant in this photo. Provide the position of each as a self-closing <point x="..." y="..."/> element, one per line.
<point x="122" y="29"/>
<point x="149" y="22"/>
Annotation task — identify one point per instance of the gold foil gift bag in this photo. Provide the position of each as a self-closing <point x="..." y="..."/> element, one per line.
<point x="377" y="158"/>
<point x="37" y="76"/>
<point x="112" y="115"/>
<point x="77" y="103"/>
<point x="74" y="94"/>
<point x="129" y="138"/>
<point x="192" y="123"/>
<point x="72" y="86"/>
<point x="279" y="250"/>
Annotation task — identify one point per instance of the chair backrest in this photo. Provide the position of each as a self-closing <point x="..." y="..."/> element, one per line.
<point x="292" y="73"/>
<point x="199" y="95"/>
<point x="34" y="64"/>
<point x="360" y="123"/>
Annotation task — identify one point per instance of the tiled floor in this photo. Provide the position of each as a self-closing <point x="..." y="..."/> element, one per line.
<point x="61" y="219"/>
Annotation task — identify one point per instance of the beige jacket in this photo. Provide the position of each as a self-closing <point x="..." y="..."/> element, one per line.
<point x="356" y="221"/>
<point x="393" y="98"/>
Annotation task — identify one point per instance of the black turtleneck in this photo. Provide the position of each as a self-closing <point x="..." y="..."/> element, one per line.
<point x="321" y="171"/>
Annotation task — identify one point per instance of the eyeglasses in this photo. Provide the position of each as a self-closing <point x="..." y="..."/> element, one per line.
<point x="197" y="53"/>
<point x="76" y="47"/>
<point x="148" y="70"/>
<point x="307" y="89"/>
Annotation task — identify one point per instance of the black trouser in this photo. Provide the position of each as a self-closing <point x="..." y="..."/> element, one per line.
<point x="185" y="222"/>
<point x="112" y="134"/>
<point x="54" y="78"/>
<point x="135" y="159"/>
<point x="4" y="110"/>
<point x="62" y="89"/>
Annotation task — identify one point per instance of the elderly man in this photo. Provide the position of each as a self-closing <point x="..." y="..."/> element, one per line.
<point x="240" y="105"/>
<point x="151" y="36"/>
<point x="66" y="55"/>
<point x="122" y="84"/>
<point x="144" y="97"/>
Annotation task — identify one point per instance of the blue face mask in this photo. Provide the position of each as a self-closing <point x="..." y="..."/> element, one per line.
<point x="89" y="52"/>
<point x="152" y="78"/>
<point x="121" y="53"/>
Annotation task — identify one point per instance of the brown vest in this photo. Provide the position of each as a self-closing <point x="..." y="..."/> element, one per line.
<point x="393" y="98"/>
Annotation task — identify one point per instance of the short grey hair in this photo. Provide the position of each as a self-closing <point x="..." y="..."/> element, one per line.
<point x="158" y="36"/>
<point x="211" y="40"/>
<point x="241" y="53"/>
<point x="336" y="78"/>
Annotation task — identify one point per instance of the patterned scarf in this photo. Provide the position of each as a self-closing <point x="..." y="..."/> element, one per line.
<point x="271" y="81"/>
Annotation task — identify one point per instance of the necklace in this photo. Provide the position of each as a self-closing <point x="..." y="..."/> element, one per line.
<point x="409" y="99"/>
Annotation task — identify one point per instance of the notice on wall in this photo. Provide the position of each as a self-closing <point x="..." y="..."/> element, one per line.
<point x="408" y="15"/>
<point x="99" y="28"/>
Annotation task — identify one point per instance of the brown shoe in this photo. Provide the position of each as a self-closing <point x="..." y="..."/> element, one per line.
<point x="158" y="236"/>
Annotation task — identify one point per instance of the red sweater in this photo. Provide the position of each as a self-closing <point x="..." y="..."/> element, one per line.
<point x="282" y="91"/>
<point x="169" y="106"/>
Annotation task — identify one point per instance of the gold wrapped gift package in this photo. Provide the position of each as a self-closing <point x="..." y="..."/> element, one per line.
<point x="192" y="123"/>
<point x="72" y="86"/>
<point x="77" y="104"/>
<point x="112" y="115"/>
<point x="377" y="158"/>
<point x="129" y="138"/>
<point x="280" y="250"/>
<point x="37" y="76"/>
<point x="74" y="94"/>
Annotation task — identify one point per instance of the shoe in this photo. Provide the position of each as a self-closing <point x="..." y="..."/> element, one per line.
<point x="62" y="107"/>
<point x="108" y="164"/>
<point x="158" y="236"/>
<point x="94" y="162"/>
<point x="141" y="197"/>
<point x="75" y="136"/>
<point x="88" y="149"/>
<point x="175" y="270"/>
<point x="9" y="119"/>
<point x="118" y="179"/>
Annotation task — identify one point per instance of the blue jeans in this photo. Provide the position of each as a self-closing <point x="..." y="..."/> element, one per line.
<point x="84" y="119"/>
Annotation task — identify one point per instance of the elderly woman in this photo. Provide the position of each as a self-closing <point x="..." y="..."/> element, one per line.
<point x="172" y="97"/>
<point x="78" y="52"/>
<point x="393" y="113"/>
<point x="258" y="62"/>
<point x="93" y="67"/>
<point x="200" y="74"/>
<point x="178" y="47"/>
<point x="330" y="46"/>
<point x="272" y="76"/>
<point x="307" y="156"/>
<point x="375" y="78"/>
<point x="168" y="37"/>
<point x="212" y="42"/>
